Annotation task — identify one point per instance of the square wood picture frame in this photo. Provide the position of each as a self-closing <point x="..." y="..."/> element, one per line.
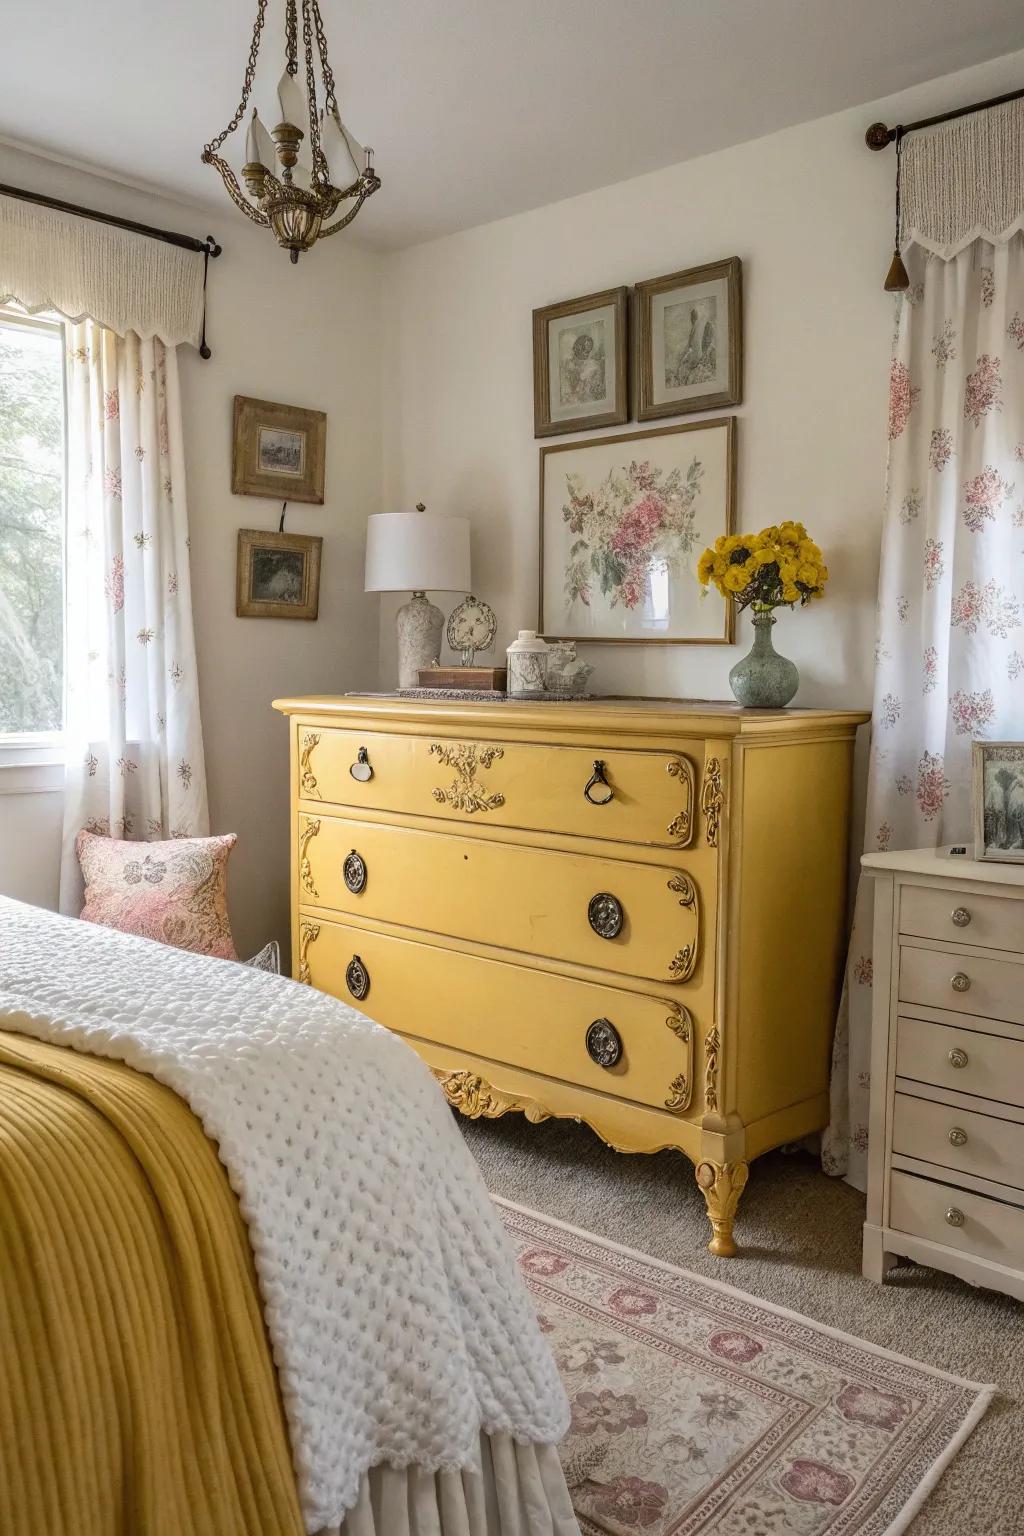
<point x="278" y="575"/>
<point x="688" y="340"/>
<point x="581" y="363"/>
<point x="278" y="451"/>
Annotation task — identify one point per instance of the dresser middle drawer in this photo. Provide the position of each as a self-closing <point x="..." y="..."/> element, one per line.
<point x="959" y="1139"/>
<point x="965" y="1060"/>
<point x="640" y="920"/>
<point x="978" y="984"/>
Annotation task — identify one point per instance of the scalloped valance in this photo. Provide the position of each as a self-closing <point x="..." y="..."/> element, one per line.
<point x="87" y="270"/>
<point x="963" y="181"/>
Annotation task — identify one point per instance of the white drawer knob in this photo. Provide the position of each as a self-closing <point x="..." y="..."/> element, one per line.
<point x="961" y="917"/>
<point x="955" y="1216"/>
<point x="957" y="1057"/>
<point x="961" y="982"/>
<point x="957" y="1137"/>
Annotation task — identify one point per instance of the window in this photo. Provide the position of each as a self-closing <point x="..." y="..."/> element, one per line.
<point x="32" y="452"/>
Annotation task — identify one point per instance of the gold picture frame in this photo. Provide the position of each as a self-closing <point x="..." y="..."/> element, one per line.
<point x="599" y="471"/>
<point x="581" y="363"/>
<point x="688" y="340"/>
<point x="997" y="800"/>
<point x="279" y="451"/>
<point x="278" y="575"/>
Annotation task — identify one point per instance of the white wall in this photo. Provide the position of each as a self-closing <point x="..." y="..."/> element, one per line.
<point x="306" y="335"/>
<point x="809" y="211"/>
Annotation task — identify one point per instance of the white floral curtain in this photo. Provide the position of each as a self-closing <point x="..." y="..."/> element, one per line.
<point x="950" y="649"/>
<point x="135" y="765"/>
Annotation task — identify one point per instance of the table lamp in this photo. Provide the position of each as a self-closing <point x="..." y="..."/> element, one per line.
<point x="418" y="552"/>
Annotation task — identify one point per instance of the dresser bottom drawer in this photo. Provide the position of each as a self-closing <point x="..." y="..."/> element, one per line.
<point x="527" y="1018"/>
<point x="988" y="1228"/>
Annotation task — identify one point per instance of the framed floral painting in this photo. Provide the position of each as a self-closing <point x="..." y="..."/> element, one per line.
<point x="688" y="336"/>
<point x="623" y="521"/>
<point x="581" y="363"/>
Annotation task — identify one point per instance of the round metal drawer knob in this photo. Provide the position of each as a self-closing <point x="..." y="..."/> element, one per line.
<point x="353" y="872"/>
<point x="605" y="915"/>
<point x="955" y="1216"/>
<point x="961" y="982"/>
<point x="604" y="1043"/>
<point x="961" y="917"/>
<point x="357" y="978"/>
<point x="957" y="1137"/>
<point x="957" y="1057"/>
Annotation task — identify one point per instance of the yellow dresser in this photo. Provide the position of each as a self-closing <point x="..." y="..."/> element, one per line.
<point x="629" y="912"/>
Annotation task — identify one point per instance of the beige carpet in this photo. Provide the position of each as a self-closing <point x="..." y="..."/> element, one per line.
<point x="801" y="1237"/>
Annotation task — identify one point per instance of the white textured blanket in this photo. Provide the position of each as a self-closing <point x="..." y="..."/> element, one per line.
<point x="399" y="1323"/>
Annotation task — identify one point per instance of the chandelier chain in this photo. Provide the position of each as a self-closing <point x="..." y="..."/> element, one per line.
<point x="330" y="99"/>
<point x="320" y="168"/>
<point x="291" y="35"/>
<point x="250" y="75"/>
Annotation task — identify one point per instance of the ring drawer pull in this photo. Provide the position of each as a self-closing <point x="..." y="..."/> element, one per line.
<point x="357" y="978"/>
<point x="605" y="915"/>
<point x="353" y="872"/>
<point x="961" y="982"/>
<point x="957" y="1136"/>
<point x="957" y="1057"/>
<point x="955" y="1216"/>
<point x="596" y="778"/>
<point x="961" y="917"/>
<point x="604" y="1043"/>
<point x="362" y="768"/>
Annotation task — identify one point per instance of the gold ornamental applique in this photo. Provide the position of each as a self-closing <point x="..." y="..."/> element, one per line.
<point x="712" y="798"/>
<point x="307" y="778"/>
<point x="464" y="793"/>
<point x="681" y="825"/>
<point x="308" y="831"/>
<point x="683" y="963"/>
<point x="678" y="1022"/>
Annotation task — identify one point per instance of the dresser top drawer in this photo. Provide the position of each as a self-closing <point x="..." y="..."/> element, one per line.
<point x="621" y="795"/>
<point x="944" y="913"/>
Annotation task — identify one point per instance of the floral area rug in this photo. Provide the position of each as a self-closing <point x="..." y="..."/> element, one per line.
<point x="699" y="1411"/>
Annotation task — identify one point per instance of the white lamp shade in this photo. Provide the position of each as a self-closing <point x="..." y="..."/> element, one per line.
<point x="417" y="552"/>
<point x="339" y="150"/>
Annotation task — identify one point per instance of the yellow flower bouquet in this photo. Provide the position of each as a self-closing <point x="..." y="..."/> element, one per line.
<point x="776" y="568"/>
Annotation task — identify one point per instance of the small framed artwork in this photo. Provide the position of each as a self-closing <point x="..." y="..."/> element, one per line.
<point x="688" y="340"/>
<point x="279" y="451"/>
<point x="278" y="575"/>
<point x="623" y="521"/>
<point x="581" y="363"/>
<point x="998" y="800"/>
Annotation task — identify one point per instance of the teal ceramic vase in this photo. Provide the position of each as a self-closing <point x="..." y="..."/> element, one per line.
<point x="764" y="679"/>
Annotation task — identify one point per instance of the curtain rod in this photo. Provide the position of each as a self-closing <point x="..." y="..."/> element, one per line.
<point x="879" y="135"/>
<point x="207" y="247"/>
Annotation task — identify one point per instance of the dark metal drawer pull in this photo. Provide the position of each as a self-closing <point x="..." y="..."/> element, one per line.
<point x="362" y="769"/>
<point x="604" y="1043"/>
<point x="596" y="778"/>
<point x="353" y="872"/>
<point x="357" y="978"/>
<point x="605" y="915"/>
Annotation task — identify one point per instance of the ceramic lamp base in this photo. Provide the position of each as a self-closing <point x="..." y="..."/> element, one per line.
<point x="419" y="623"/>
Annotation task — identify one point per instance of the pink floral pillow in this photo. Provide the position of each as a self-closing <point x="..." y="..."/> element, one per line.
<point x="175" y="892"/>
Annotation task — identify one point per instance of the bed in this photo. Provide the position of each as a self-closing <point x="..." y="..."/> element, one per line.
<point x="234" y="1301"/>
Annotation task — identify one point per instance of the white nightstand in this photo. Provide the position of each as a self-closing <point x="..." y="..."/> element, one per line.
<point x="946" y="1158"/>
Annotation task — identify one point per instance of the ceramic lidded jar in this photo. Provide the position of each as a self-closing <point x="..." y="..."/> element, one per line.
<point x="527" y="665"/>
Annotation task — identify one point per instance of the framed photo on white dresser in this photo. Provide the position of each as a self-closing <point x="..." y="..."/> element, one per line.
<point x="997" y="800"/>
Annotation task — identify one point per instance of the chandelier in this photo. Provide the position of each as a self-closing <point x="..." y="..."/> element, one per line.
<point x="319" y="168"/>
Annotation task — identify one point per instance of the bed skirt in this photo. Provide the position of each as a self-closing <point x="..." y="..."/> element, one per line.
<point x="520" y="1491"/>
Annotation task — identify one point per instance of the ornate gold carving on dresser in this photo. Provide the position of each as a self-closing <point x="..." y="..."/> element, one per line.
<point x="308" y="933"/>
<point x="476" y="1099"/>
<point x="712" y="1046"/>
<point x="678" y="1022"/>
<point x="464" y="793"/>
<point x="307" y="778"/>
<point x="681" y="826"/>
<point x="712" y="798"/>
<point x="721" y="1185"/>
<point x="682" y="965"/>
<point x="306" y="835"/>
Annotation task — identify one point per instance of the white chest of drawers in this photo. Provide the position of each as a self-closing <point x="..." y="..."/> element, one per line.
<point x="946" y="1158"/>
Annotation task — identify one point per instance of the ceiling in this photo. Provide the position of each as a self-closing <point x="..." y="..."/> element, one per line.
<point x="475" y="109"/>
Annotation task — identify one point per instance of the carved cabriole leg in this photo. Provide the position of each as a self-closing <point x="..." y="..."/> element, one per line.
<point x="721" y="1185"/>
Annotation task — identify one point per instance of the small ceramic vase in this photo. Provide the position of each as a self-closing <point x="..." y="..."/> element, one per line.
<point x="764" y="679"/>
<point x="527" y="666"/>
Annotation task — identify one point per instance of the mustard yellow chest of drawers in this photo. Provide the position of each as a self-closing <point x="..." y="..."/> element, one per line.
<point x="628" y="912"/>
